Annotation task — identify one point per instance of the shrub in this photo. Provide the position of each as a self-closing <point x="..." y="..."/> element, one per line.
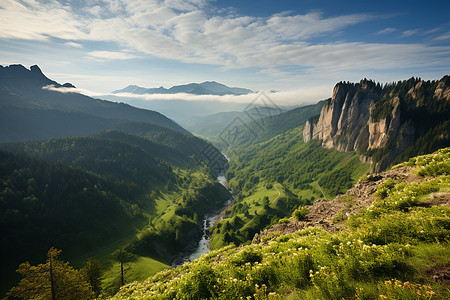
<point x="294" y="269"/>
<point x="200" y="284"/>
<point x="247" y="256"/>
<point x="300" y="213"/>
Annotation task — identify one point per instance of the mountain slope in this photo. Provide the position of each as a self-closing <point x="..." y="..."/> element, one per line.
<point x="385" y="250"/>
<point x="264" y="123"/>
<point x="271" y="179"/>
<point x="204" y="88"/>
<point x="147" y="192"/>
<point x="35" y="107"/>
<point x="44" y="204"/>
<point x="389" y="123"/>
<point x="215" y="124"/>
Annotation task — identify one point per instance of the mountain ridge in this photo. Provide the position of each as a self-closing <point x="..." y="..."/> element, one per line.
<point x="204" y="88"/>
<point x="28" y="110"/>
<point x="384" y="123"/>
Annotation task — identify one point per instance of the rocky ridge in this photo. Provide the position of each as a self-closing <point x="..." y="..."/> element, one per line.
<point x="329" y="214"/>
<point x="369" y="118"/>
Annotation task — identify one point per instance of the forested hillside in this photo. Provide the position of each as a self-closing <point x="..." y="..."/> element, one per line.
<point x="145" y="192"/>
<point x="273" y="178"/>
<point x="393" y="244"/>
<point x="259" y="124"/>
<point x="48" y="204"/>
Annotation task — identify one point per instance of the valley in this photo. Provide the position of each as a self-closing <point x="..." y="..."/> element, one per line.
<point x="280" y="205"/>
<point x="224" y="150"/>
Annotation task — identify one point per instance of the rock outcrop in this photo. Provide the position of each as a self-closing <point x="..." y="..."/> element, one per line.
<point x="329" y="214"/>
<point x="369" y="118"/>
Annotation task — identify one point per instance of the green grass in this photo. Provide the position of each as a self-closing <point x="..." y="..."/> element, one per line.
<point x="386" y="253"/>
<point x="138" y="270"/>
<point x="303" y="172"/>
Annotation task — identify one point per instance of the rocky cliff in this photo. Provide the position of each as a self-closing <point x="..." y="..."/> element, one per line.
<point x="384" y="123"/>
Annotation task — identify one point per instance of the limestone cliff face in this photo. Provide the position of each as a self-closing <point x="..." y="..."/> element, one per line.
<point x="367" y="117"/>
<point x="342" y="123"/>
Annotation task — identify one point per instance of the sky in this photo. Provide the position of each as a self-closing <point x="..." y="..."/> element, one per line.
<point x="299" y="48"/>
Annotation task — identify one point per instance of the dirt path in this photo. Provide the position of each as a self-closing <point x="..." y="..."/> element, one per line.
<point x="323" y="194"/>
<point x="279" y="193"/>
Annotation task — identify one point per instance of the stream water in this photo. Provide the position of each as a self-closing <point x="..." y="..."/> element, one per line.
<point x="208" y="221"/>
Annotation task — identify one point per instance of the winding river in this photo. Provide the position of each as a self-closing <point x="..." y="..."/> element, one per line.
<point x="208" y="221"/>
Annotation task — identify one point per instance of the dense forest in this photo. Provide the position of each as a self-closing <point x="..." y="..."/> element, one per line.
<point x="79" y="193"/>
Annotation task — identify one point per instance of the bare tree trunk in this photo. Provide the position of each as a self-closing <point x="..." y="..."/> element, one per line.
<point x="122" y="281"/>
<point x="52" y="280"/>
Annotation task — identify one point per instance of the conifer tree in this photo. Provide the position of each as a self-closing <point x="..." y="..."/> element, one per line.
<point x="92" y="272"/>
<point x="55" y="280"/>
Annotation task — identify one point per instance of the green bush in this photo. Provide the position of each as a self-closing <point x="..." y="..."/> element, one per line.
<point x="300" y="213"/>
<point x="200" y="282"/>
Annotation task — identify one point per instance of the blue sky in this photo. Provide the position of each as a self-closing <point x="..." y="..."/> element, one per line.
<point x="300" y="47"/>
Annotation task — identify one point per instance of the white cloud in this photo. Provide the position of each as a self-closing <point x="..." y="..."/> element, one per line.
<point x="410" y="32"/>
<point x="284" y="98"/>
<point x="64" y="90"/>
<point x="445" y="36"/>
<point x="110" y="55"/>
<point x="36" y="20"/>
<point x="73" y="44"/>
<point x="386" y="31"/>
<point x="183" y="31"/>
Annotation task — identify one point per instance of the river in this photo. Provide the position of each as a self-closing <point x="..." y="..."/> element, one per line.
<point x="208" y="221"/>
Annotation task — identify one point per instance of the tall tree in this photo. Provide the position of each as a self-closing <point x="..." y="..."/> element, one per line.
<point x="53" y="280"/>
<point x="92" y="272"/>
<point x="122" y="256"/>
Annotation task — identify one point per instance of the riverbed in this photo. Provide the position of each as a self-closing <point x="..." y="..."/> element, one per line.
<point x="208" y="221"/>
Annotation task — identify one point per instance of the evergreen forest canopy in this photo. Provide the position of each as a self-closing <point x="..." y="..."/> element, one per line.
<point x="78" y="193"/>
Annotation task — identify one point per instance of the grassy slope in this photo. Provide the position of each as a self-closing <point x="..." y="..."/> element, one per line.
<point x="391" y="250"/>
<point x="301" y="172"/>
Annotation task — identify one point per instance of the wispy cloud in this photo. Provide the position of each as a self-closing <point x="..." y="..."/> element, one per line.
<point x="73" y="44"/>
<point x="443" y="37"/>
<point x="183" y="31"/>
<point x="386" y="31"/>
<point x="285" y="98"/>
<point x="410" y="32"/>
<point x="110" y="55"/>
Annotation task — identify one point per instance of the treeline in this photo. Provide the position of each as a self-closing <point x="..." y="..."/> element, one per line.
<point x="422" y="114"/>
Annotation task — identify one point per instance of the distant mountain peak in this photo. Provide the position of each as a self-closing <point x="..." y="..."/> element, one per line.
<point x="204" y="88"/>
<point x="17" y="73"/>
<point x="36" y="69"/>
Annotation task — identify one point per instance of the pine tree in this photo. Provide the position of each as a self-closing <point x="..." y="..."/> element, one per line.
<point x="53" y="280"/>
<point x="122" y="256"/>
<point x="92" y="273"/>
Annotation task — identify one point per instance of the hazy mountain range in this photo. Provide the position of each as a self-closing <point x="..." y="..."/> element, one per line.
<point x="31" y="107"/>
<point x="204" y="88"/>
